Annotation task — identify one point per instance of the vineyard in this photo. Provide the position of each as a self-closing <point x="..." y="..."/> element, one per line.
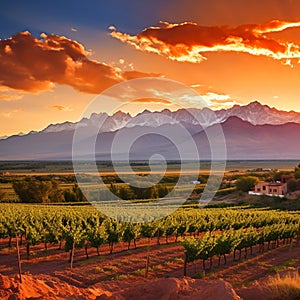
<point x="204" y="233"/>
<point x="223" y="244"/>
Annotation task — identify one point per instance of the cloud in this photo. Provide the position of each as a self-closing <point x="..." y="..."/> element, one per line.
<point x="62" y="108"/>
<point x="153" y="100"/>
<point x="9" y="114"/>
<point x="212" y="100"/>
<point x="209" y="96"/>
<point x="8" y="94"/>
<point x="188" y="42"/>
<point x="32" y="65"/>
<point x="112" y="27"/>
<point x="127" y="75"/>
<point x="6" y="97"/>
<point x="196" y="85"/>
<point x="217" y="101"/>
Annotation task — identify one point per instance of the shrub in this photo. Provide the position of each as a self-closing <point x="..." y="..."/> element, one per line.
<point x="287" y="287"/>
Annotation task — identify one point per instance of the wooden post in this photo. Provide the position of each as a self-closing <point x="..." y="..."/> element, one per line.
<point x="185" y="264"/>
<point x="19" y="258"/>
<point x="86" y="250"/>
<point x="72" y="255"/>
<point x="147" y="261"/>
<point x="27" y="249"/>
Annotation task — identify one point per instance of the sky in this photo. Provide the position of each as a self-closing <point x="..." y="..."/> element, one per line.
<point x="57" y="56"/>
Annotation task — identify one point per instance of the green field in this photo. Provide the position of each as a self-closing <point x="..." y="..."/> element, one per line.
<point x="55" y="167"/>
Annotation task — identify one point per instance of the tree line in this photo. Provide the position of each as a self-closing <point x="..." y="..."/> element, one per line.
<point x="35" y="191"/>
<point x="50" y="191"/>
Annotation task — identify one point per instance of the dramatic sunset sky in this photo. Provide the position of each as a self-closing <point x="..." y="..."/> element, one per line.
<point x="56" y="56"/>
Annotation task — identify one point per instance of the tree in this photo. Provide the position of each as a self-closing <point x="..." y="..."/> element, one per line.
<point x="162" y="191"/>
<point x="278" y="175"/>
<point x="113" y="188"/>
<point x="293" y="185"/>
<point x="246" y="183"/>
<point x="33" y="191"/>
<point x="297" y="172"/>
<point x="79" y="194"/>
<point x="125" y="193"/>
<point x="74" y="195"/>
<point x="69" y="196"/>
<point x="2" y="195"/>
<point x="56" y="194"/>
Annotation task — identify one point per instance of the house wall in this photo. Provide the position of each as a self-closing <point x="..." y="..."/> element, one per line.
<point x="268" y="188"/>
<point x="261" y="187"/>
<point x="275" y="190"/>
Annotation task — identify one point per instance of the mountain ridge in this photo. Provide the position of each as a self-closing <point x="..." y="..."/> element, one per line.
<point x="251" y="112"/>
<point x="243" y="141"/>
<point x="254" y="112"/>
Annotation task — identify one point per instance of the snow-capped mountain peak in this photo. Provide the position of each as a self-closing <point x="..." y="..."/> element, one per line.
<point x="258" y="114"/>
<point x="254" y="113"/>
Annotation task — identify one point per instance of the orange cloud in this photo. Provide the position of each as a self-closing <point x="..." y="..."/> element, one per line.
<point x="189" y="41"/>
<point x="30" y="64"/>
<point x="9" y="114"/>
<point x="6" y="97"/>
<point x="152" y="100"/>
<point x="61" y="108"/>
<point x="8" y="94"/>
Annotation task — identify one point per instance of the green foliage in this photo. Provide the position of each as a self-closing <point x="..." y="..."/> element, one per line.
<point x="33" y="191"/>
<point x="224" y="243"/>
<point x="39" y="190"/>
<point x="131" y="233"/>
<point x="246" y="183"/>
<point x="278" y="175"/>
<point x="127" y="192"/>
<point x="147" y="230"/>
<point x="74" y="232"/>
<point x="85" y="225"/>
<point x="293" y="185"/>
<point x="74" y="195"/>
<point x="297" y="172"/>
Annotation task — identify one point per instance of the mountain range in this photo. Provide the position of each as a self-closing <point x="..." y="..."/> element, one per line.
<point x="254" y="112"/>
<point x="253" y="131"/>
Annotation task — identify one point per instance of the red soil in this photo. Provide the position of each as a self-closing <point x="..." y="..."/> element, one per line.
<point x="121" y="274"/>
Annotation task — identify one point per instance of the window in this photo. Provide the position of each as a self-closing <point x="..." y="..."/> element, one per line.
<point x="275" y="190"/>
<point x="264" y="187"/>
<point x="270" y="190"/>
<point x="258" y="189"/>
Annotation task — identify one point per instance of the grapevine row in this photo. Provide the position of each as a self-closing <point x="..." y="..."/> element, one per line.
<point x="223" y="244"/>
<point x="83" y="227"/>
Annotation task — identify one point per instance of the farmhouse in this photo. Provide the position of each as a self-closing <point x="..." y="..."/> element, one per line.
<point x="278" y="188"/>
